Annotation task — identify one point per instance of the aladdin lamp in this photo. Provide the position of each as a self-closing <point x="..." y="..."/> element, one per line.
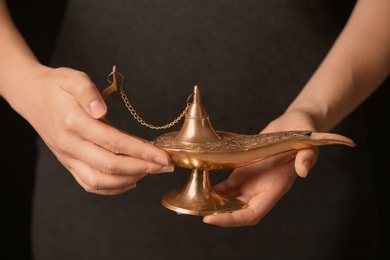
<point x="201" y="149"/>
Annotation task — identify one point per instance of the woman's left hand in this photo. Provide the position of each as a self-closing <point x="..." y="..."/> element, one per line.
<point x="262" y="184"/>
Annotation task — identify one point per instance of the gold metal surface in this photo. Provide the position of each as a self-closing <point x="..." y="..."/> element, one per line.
<point x="236" y="150"/>
<point x="198" y="147"/>
<point x="198" y="197"/>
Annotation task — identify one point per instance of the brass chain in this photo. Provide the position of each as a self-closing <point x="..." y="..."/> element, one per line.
<point x="137" y="117"/>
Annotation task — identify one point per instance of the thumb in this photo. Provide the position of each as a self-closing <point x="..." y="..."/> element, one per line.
<point x="305" y="160"/>
<point x="97" y="108"/>
<point x="86" y="93"/>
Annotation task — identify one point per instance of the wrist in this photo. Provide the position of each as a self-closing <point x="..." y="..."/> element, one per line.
<point x="20" y="85"/>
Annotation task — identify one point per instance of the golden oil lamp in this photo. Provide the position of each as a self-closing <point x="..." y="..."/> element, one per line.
<point x="200" y="148"/>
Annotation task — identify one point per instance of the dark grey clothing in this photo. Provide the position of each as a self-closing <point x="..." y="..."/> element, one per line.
<point x="250" y="59"/>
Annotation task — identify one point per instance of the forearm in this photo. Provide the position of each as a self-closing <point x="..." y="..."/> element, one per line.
<point x="16" y="58"/>
<point x="356" y="65"/>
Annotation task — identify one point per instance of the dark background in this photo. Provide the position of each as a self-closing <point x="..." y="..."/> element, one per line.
<point x="39" y="22"/>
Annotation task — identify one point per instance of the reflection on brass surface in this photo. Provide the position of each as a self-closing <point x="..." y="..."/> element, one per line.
<point x="197" y="146"/>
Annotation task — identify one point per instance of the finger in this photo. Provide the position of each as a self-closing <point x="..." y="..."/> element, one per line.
<point x="119" y="142"/>
<point x="95" y="182"/>
<point x="258" y="206"/>
<point x="85" y="92"/>
<point x="305" y="160"/>
<point x="111" y="163"/>
<point x="226" y="188"/>
<point x="109" y="138"/>
<point x="257" y="209"/>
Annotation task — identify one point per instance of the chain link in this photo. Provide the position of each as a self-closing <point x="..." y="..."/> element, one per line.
<point x="139" y="118"/>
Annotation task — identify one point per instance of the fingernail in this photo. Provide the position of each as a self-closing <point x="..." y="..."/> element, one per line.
<point x="98" y="109"/>
<point x="131" y="186"/>
<point x="206" y="220"/>
<point x="167" y="168"/>
<point x="161" y="160"/>
<point x="307" y="165"/>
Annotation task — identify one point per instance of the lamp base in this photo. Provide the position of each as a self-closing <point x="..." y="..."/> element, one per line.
<point x="198" y="198"/>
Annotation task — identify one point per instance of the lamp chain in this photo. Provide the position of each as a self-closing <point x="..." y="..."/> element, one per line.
<point x="137" y="117"/>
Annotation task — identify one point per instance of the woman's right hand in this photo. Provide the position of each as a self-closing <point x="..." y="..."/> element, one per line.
<point x="64" y="107"/>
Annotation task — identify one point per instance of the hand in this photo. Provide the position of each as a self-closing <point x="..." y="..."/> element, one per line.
<point x="64" y="107"/>
<point x="262" y="184"/>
